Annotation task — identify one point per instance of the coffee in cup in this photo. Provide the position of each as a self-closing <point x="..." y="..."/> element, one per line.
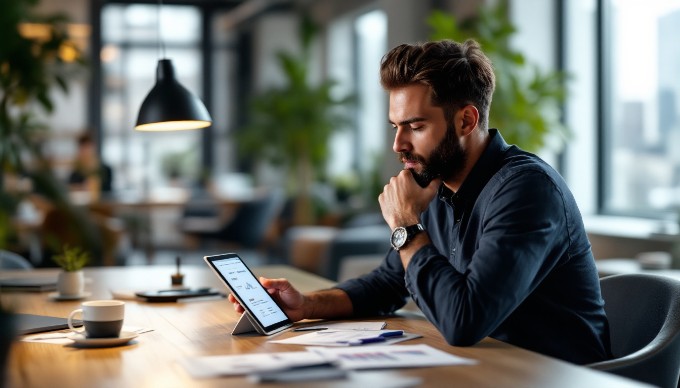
<point x="101" y="318"/>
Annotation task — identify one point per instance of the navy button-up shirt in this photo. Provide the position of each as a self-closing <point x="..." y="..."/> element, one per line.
<point x="509" y="259"/>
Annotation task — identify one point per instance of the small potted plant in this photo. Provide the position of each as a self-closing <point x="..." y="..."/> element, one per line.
<point x="71" y="281"/>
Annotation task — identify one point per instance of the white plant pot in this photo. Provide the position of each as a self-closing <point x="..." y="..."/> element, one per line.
<point x="71" y="283"/>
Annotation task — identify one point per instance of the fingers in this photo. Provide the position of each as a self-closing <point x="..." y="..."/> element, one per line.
<point x="237" y="305"/>
<point x="434" y="185"/>
<point x="275" y="284"/>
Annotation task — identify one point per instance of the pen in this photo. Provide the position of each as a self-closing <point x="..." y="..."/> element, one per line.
<point x="393" y="333"/>
<point x="311" y="328"/>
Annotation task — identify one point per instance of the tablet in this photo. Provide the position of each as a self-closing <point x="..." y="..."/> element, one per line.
<point x="264" y="313"/>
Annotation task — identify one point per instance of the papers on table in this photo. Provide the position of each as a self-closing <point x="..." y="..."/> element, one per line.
<point x="398" y="356"/>
<point x="348" y="358"/>
<point x="243" y="364"/>
<point x="349" y="338"/>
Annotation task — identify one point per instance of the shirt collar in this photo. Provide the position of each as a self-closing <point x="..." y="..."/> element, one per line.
<point x="487" y="165"/>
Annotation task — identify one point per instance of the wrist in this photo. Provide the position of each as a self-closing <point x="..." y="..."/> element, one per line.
<point x="308" y="309"/>
<point x="405" y="220"/>
<point x="403" y="235"/>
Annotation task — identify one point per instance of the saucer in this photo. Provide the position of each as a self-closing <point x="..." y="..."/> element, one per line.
<point x="82" y="341"/>
<point x="57" y="296"/>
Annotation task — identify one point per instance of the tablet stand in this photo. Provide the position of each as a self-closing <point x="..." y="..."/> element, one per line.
<point x="245" y="325"/>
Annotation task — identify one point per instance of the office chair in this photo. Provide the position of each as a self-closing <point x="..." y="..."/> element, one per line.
<point x="11" y="260"/>
<point x="249" y="225"/>
<point x="644" y="322"/>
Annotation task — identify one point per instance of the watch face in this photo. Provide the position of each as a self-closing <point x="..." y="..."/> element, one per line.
<point x="399" y="237"/>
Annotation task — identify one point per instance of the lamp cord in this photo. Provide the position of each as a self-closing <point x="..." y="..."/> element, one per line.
<point x="161" y="45"/>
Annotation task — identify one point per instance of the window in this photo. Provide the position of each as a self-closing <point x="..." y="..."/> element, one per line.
<point x="640" y="75"/>
<point x="357" y="43"/>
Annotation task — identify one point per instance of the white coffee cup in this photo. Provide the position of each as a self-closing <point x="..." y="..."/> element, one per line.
<point x="101" y="318"/>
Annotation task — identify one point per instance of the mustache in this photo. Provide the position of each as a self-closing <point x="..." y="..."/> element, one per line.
<point x="409" y="157"/>
<point x="423" y="178"/>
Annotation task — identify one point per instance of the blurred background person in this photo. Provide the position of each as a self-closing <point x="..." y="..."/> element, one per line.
<point x="90" y="174"/>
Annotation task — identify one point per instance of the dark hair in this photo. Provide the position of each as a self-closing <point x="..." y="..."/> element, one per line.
<point x="458" y="74"/>
<point x="85" y="138"/>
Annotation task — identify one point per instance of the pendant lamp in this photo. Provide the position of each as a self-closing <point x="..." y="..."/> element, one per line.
<point x="169" y="106"/>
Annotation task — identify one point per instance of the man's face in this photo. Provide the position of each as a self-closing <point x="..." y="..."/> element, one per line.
<point x="426" y="144"/>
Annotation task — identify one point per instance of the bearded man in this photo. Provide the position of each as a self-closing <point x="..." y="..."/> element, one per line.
<point x="487" y="238"/>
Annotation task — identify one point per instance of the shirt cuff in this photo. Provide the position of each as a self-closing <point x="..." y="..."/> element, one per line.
<point x="421" y="259"/>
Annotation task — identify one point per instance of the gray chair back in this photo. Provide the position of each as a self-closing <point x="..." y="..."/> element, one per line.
<point x="644" y="321"/>
<point x="11" y="260"/>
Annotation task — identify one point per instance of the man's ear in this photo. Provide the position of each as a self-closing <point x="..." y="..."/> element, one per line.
<point x="467" y="119"/>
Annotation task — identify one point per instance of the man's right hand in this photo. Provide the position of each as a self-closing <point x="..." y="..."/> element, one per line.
<point x="289" y="298"/>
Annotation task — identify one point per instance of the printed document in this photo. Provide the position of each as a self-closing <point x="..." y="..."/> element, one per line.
<point x="397" y="356"/>
<point x="243" y="364"/>
<point x="345" y="338"/>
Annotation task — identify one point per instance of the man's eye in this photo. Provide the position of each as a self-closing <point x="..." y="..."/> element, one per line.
<point x="416" y="127"/>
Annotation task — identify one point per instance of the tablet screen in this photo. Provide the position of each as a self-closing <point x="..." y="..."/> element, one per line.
<point x="245" y="286"/>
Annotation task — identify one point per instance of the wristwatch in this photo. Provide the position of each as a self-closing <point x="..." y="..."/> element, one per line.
<point x="401" y="235"/>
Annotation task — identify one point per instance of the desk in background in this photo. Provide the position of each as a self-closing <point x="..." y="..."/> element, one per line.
<point x="154" y="220"/>
<point x="202" y="328"/>
<point x="607" y="267"/>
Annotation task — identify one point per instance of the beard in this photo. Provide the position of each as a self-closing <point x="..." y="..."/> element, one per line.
<point x="446" y="160"/>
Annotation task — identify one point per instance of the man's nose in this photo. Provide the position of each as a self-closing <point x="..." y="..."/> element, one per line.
<point x="401" y="141"/>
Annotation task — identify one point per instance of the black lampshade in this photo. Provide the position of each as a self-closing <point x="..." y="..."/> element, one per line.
<point x="169" y="106"/>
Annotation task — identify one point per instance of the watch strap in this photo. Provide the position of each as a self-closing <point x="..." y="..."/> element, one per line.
<point x="414" y="229"/>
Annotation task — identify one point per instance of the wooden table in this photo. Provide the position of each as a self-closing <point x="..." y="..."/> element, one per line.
<point x="203" y="328"/>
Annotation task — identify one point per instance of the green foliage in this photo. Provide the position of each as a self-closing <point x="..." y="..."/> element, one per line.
<point x="72" y="259"/>
<point x="30" y="67"/>
<point x="526" y="106"/>
<point x="291" y="125"/>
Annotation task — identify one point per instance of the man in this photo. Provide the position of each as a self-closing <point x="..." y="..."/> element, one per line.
<point x="89" y="172"/>
<point x="488" y="240"/>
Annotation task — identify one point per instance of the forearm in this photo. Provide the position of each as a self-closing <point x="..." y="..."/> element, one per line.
<point x="327" y="304"/>
<point x="406" y="253"/>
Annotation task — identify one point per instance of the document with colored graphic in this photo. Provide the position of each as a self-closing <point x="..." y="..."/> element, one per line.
<point x="349" y="338"/>
<point x="395" y="356"/>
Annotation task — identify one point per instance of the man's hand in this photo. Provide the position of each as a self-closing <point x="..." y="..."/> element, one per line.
<point x="402" y="199"/>
<point x="290" y="299"/>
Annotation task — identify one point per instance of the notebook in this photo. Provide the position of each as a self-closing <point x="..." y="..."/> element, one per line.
<point x="31" y="323"/>
<point x="35" y="284"/>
